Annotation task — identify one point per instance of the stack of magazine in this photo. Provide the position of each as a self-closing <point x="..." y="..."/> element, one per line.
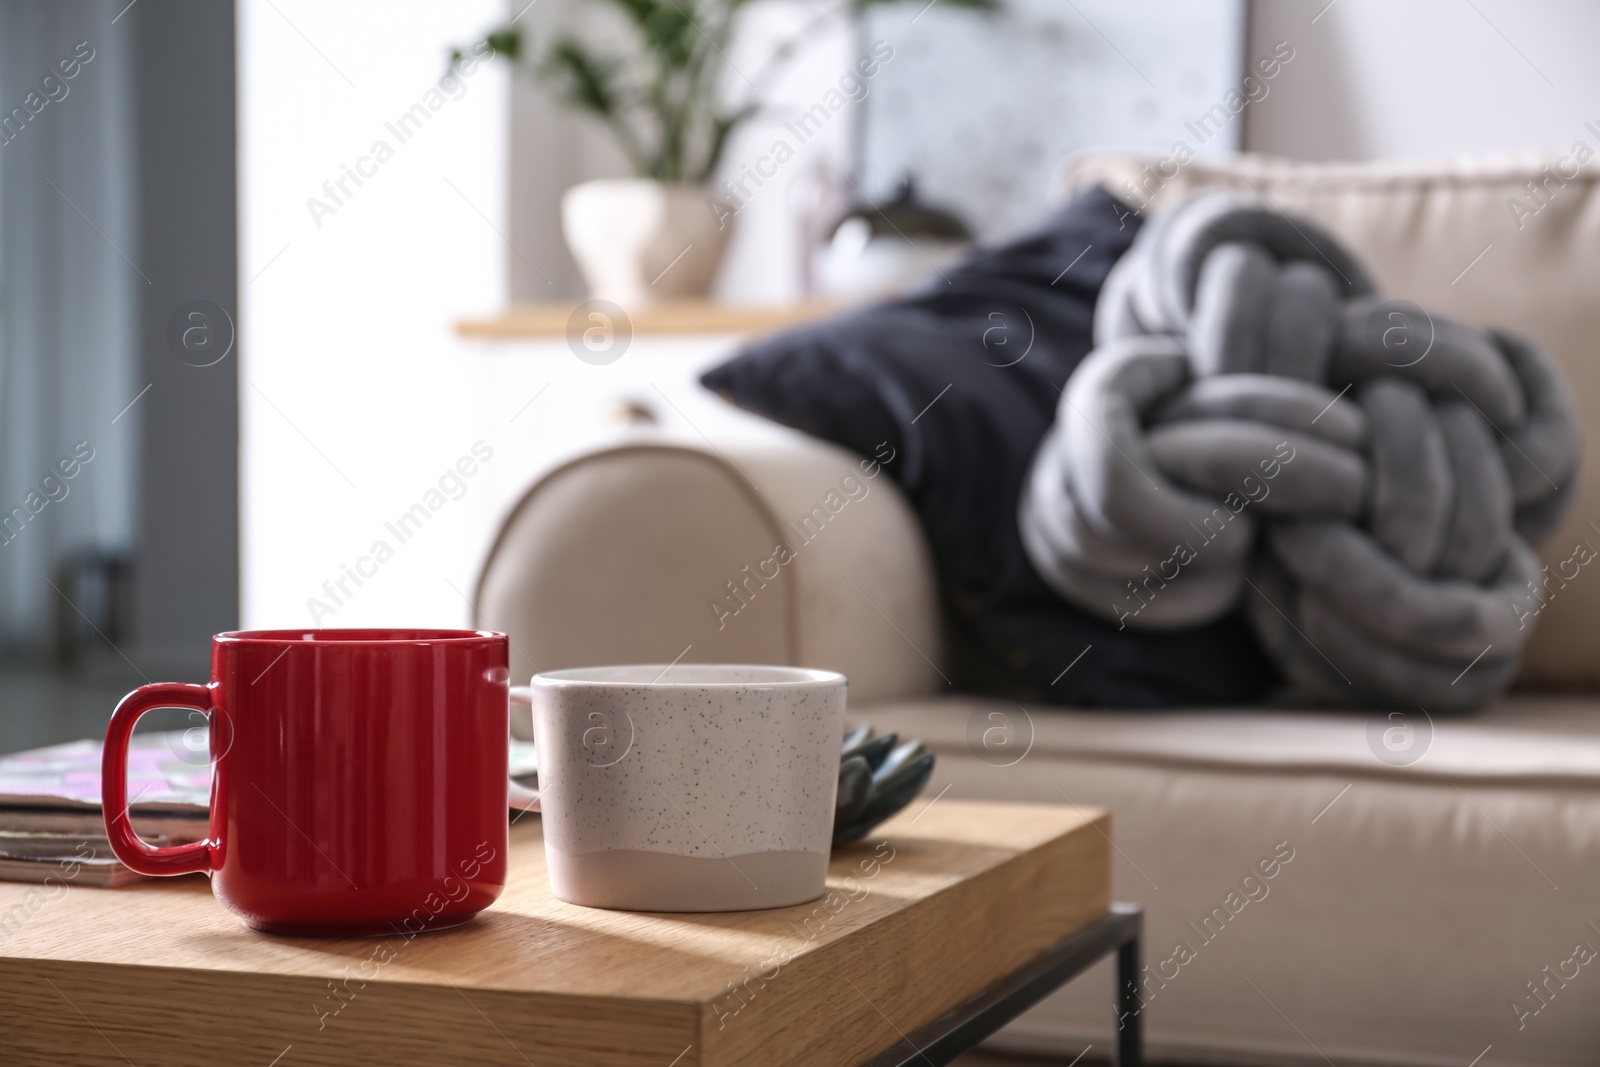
<point x="50" y="821"/>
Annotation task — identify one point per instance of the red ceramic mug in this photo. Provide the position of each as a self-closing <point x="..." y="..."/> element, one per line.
<point x="359" y="778"/>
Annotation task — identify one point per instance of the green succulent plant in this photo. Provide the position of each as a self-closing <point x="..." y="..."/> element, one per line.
<point x="877" y="777"/>
<point x="660" y="95"/>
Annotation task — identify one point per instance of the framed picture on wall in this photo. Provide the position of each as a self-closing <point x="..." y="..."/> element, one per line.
<point x="981" y="109"/>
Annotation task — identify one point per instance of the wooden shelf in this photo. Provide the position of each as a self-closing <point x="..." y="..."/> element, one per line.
<point x="528" y="321"/>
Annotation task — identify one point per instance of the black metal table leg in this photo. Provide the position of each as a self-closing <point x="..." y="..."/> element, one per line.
<point x="962" y="1027"/>
<point x="1130" y="1016"/>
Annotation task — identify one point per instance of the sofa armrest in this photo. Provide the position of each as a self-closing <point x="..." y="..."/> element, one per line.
<point x="799" y="554"/>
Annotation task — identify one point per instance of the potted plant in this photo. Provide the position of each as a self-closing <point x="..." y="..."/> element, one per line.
<point x="660" y="233"/>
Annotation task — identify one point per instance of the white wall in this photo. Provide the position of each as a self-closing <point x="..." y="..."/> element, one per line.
<point x="355" y="395"/>
<point x="763" y="261"/>
<point x="1425" y="78"/>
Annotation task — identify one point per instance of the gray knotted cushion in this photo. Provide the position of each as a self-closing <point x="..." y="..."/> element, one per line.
<point x="1257" y="423"/>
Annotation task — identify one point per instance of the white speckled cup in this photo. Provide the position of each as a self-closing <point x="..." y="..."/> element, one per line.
<point x="695" y="787"/>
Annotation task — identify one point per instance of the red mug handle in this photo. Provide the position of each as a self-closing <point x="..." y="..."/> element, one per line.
<point x="520" y="795"/>
<point x="134" y="853"/>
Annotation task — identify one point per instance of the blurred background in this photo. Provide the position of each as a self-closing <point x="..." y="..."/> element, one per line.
<point x="269" y="270"/>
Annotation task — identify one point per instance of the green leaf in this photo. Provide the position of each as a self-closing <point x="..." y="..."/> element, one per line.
<point x="507" y="43"/>
<point x="668" y="30"/>
<point x="721" y="127"/>
<point x="588" y="80"/>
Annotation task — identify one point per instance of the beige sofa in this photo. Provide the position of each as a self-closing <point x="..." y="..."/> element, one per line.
<point x="1437" y="907"/>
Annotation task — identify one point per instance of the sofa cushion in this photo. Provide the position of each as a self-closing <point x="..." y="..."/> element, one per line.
<point x="1531" y="741"/>
<point x="1512" y="243"/>
<point x="954" y="387"/>
<point x="1409" y="907"/>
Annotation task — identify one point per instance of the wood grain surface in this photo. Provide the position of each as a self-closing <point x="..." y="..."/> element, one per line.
<point x="939" y="903"/>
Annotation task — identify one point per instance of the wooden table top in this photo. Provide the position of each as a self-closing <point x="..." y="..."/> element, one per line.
<point x="536" y="321"/>
<point x="942" y="901"/>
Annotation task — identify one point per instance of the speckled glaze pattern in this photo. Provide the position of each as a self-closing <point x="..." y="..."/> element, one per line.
<point x="709" y="761"/>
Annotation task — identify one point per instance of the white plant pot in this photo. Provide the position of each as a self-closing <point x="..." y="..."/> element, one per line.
<point x="639" y="241"/>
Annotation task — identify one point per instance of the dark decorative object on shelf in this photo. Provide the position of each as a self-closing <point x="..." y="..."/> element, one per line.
<point x="905" y="215"/>
<point x="883" y="249"/>
<point x="877" y="778"/>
